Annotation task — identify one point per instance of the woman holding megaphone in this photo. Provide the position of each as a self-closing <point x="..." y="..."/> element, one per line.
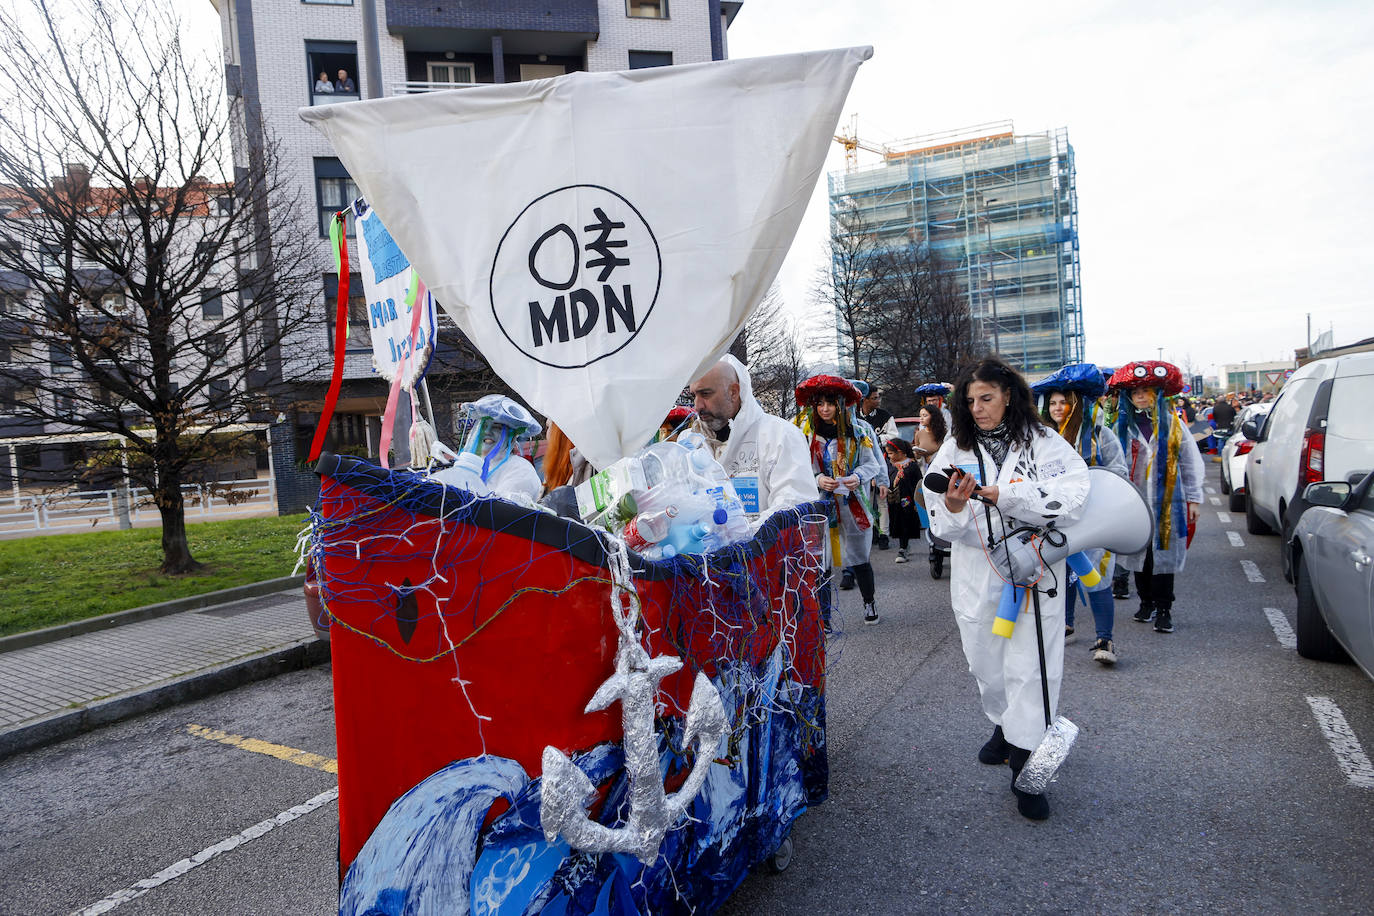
<point x="1005" y="468"/>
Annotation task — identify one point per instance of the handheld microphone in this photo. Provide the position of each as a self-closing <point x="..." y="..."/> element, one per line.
<point x="939" y="483"/>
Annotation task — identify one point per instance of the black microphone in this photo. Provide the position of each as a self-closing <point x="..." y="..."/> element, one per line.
<point x="939" y="483"/>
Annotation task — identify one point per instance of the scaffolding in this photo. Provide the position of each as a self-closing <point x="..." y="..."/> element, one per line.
<point x="1002" y="209"/>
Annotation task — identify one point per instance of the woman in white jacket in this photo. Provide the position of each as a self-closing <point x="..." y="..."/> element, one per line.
<point x="1028" y="475"/>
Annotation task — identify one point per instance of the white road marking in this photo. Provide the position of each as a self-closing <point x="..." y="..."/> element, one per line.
<point x="1215" y="500"/>
<point x="1235" y="539"/>
<point x="1224" y="517"/>
<point x="1351" y="758"/>
<point x="1211" y="489"/>
<point x="177" y="869"/>
<point x="1251" y="571"/>
<point x="1282" y="631"/>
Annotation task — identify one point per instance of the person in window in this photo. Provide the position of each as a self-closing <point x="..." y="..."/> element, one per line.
<point x="322" y="83"/>
<point x="344" y="83"/>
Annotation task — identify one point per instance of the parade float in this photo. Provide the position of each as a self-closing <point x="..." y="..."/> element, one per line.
<point x="533" y="716"/>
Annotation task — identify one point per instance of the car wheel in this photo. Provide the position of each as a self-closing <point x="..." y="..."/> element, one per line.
<point x="1225" y="487"/>
<point x="1314" y="639"/>
<point x="1253" y="523"/>
<point x="1237" y="501"/>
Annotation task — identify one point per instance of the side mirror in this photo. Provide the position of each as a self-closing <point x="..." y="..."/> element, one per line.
<point x="1250" y="429"/>
<point x="1330" y="493"/>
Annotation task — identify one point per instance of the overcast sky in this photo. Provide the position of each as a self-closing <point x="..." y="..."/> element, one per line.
<point x="1224" y="150"/>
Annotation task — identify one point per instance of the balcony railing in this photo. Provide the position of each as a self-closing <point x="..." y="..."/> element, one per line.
<point x="413" y="88"/>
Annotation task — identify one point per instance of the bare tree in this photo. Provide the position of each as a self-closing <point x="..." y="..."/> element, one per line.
<point x="776" y="345"/>
<point x="850" y="285"/>
<point x="161" y="286"/>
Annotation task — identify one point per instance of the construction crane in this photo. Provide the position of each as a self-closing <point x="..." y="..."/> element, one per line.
<point x="852" y="144"/>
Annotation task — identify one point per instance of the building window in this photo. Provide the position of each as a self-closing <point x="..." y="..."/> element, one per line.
<point x="211" y="304"/>
<point x="328" y="2"/>
<point x="332" y="72"/>
<point x="640" y="60"/>
<point x="646" y="9"/>
<point x="60" y="358"/>
<point x="335" y="191"/>
<point x="450" y="71"/>
<point x="359" y="332"/>
<point x="219" y="393"/>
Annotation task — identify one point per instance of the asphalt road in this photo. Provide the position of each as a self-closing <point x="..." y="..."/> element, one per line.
<point x="1201" y="779"/>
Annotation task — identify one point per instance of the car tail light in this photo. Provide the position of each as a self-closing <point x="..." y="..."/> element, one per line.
<point x="1311" y="468"/>
<point x="1244" y="447"/>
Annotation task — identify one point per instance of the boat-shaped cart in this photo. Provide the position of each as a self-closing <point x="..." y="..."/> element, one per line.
<point x="469" y="636"/>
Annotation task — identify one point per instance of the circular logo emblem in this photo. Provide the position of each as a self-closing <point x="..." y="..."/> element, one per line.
<point x="575" y="276"/>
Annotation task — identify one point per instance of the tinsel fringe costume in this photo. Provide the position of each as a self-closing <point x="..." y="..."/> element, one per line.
<point x="851" y="518"/>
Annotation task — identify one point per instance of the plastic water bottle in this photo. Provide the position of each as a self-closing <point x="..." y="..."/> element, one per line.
<point x="645" y="529"/>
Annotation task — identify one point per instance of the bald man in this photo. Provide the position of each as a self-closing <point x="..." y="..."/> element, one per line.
<point x="765" y="457"/>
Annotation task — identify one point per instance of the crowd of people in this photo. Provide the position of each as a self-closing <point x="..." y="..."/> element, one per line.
<point x="990" y="454"/>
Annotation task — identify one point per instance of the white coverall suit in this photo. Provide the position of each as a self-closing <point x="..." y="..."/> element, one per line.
<point x="1047" y="481"/>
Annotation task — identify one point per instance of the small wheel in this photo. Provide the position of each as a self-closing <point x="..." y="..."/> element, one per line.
<point x="781" y="857"/>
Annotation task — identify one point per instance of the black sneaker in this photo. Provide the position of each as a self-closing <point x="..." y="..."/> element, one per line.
<point x="1104" y="652"/>
<point x="1121" y="590"/>
<point x="1144" y="614"/>
<point x="994" y="752"/>
<point x="884" y="543"/>
<point x="1164" y="621"/>
<point x="870" y="613"/>
<point x="846" y="580"/>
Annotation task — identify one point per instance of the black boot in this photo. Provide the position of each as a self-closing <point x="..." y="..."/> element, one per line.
<point x="1032" y="807"/>
<point x="994" y="752"/>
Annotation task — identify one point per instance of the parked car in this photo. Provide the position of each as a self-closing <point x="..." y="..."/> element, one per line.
<point x="1234" y="456"/>
<point x="906" y="428"/>
<point x="1333" y="563"/>
<point x="1320" y="428"/>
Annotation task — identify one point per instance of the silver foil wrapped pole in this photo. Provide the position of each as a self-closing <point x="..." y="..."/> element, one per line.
<point x="1044" y="762"/>
<point x="653" y="812"/>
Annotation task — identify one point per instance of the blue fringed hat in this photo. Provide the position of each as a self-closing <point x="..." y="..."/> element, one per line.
<point x="942" y="389"/>
<point x="1084" y="379"/>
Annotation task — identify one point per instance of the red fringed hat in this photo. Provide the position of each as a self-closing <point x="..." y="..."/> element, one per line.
<point x="1149" y="373"/>
<point x="676" y="415"/>
<point x="818" y="385"/>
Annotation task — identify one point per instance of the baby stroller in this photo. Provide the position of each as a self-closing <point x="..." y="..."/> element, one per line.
<point x="939" y="551"/>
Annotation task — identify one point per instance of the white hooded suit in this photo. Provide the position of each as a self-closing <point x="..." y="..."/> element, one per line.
<point x="1048" y="480"/>
<point x="765" y="456"/>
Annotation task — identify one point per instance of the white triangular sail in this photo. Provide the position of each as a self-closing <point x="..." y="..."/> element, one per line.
<point x="601" y="237"/>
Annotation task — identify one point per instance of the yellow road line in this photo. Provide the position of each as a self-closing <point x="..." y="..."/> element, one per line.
<point x="280" y="751"/>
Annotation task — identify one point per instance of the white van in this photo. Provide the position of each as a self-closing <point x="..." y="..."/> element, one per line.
<point x="1320" y="428"/>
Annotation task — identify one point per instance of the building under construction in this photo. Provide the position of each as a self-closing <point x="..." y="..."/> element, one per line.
<point x="1001" y="209"/>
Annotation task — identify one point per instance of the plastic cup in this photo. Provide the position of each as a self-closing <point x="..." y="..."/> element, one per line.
<point x="814" y="528"/>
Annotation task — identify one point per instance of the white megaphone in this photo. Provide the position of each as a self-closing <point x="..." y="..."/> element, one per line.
<point x="1114" y="517"/>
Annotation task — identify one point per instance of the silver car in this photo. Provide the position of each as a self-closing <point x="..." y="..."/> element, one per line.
<point x="1333" y="556"/>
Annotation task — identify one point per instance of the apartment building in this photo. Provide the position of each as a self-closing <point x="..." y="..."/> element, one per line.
<point x="283" y="55"/>
<point x="1001" y="209"/>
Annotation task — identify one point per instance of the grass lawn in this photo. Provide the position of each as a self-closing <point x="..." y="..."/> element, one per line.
<point x="60" y="578"/>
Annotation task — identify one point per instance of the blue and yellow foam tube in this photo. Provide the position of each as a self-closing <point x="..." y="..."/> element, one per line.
<point x="1007" y="609"/>
<point x="1084" y="569"/>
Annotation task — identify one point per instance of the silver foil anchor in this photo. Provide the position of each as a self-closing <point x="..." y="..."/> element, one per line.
<point x="653" y="812"/>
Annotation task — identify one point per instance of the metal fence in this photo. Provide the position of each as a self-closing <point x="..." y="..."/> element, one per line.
<point x="82" y="510"/>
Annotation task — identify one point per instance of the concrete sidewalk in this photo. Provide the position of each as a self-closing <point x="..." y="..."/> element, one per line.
<point x="73" y="683"/>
